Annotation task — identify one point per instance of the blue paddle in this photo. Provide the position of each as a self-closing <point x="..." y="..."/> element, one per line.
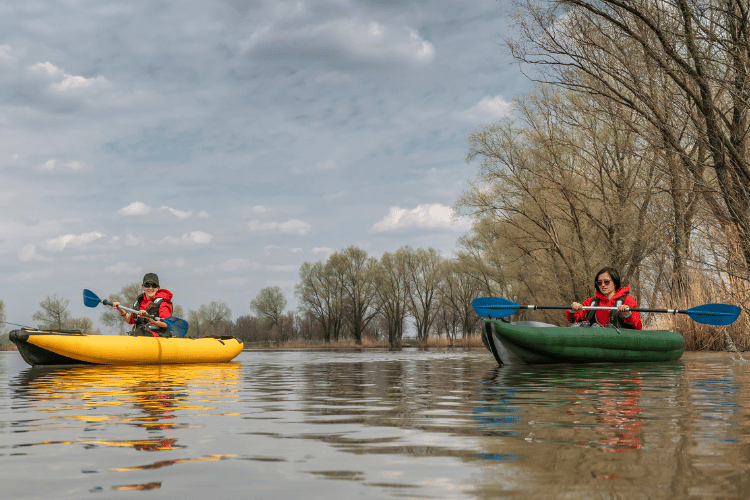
<point x="706" y="314"/>
<point x="177" y="327"/>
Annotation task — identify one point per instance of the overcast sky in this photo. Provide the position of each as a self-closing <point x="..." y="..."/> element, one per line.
<point x="222" y="144"/>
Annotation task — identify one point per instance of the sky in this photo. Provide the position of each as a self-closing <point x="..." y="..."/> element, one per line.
<point x="222" y="144"/>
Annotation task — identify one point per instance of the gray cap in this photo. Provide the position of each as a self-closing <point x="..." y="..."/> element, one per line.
<point x="151" y="277"/>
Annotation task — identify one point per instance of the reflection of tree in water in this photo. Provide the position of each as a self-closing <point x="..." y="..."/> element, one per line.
<point x="495" y="411"/>
<point x="432" y="396"/>
<point x="404" y="394"/>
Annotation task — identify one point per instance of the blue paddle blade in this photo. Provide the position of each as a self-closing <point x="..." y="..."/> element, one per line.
<point x="178" y="327"/>
<point x="90" y="299"/>
<point x="494" y="307"/>
<point x="714" y="314"/>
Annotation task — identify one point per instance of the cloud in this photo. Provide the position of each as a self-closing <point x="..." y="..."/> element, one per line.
<point x="235" y="282"/>
<point x="135" y="208"/>
<point x="66" y="82"/>
<point x="178" y="213"/>
<point x="123" y="267"/>
<point x="292" y="226"/>
<point x="71" y="82"/>
<point x="276" y="250"/>
<point x="260" y="210"/>
<point x="6" y="52"/>
<point x="323" y="250"/>
<point x="47" y="67"/>
<point x="232" y="265"/>
<point x="54" y="164"/>
<point x="140" y="208"/>
<point x="290" y="268"/>
<point x="58" y="244"/>
<point x="41" y="274"/>
<point x="194" y="237"/>
<point x="337" y="42"/>
<point x="28" y="254"/>
<point x="431" y="216"/>
<point x="489" y="109"/>
<point x="203" y="215"/>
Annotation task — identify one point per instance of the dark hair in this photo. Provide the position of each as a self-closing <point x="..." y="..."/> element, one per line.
<point x="612" y="273"/>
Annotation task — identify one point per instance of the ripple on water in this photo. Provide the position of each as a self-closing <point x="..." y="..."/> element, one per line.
<point x="429" y="424"/>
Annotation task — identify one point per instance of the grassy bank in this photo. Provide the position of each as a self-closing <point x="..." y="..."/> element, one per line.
<point x="700" y="337"/>
<point x="433" y="342"/>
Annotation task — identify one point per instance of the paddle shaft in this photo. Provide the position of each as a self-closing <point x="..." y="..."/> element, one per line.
<point x="132" y="311"/>
<point x="612" y="308"/>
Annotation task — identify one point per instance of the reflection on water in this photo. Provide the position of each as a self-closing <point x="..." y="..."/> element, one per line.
<point x="377" y="424"/>
<point x="91" y="399"/>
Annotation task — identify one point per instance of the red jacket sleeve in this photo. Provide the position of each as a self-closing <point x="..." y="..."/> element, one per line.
<point x="635" y="316"/>
<point x="580" y="315"/>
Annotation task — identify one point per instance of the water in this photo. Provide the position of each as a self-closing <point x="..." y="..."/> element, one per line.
<point x="376" y="424"/>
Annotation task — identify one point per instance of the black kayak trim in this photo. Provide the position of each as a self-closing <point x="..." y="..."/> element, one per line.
<point x="37" y="356"/>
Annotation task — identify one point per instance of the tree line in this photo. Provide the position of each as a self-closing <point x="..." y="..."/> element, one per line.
<point x="349" y="296"/>
<point x="633" y="152"/>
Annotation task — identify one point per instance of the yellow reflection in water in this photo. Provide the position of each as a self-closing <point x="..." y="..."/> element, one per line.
<point x="146" y="486"/>
<point x="158" y="392"/>
<point x="166" y="463"/>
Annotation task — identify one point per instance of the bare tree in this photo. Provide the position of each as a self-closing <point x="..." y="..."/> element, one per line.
<point x="214" y="317"/>
<point x="697" y="54"/>
<point x="457" y="290"/>
<point x="392" y="293"/>
<point x="54" y="314"/>
<point x="423" y="281"/>
<point x="562" y="192"/>
<point x="127" y="296"/>
<point x="319" y="292"/>
<point x="269" y="305"/>
<point x="84" y="325"/>
<point x="357" y="272"/>
<point x="2" y="318"/>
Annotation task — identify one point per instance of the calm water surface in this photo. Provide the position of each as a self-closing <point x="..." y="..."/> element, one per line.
<point x="376" y="424"/>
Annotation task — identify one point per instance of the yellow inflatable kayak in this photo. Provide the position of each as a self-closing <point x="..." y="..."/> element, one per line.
<point x="46" y="347"/>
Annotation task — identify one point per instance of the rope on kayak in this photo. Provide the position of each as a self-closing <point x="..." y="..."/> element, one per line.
<point x="16" y="324"/>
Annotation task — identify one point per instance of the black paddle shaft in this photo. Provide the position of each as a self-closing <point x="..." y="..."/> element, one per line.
<point x="598" y="308"/>
<point x="132" y="311"/>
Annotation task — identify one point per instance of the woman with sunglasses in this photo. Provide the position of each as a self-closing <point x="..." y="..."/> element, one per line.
<point x="608" y="294"/>
<point x="154" y="301"/>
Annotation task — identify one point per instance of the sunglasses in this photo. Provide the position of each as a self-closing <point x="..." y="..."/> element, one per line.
<point x="603" y="282"/>
<point x="150" y="285"/>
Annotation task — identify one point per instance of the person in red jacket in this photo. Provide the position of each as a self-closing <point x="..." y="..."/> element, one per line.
<point x="608" y="294"/>
<point x="154" y="301"/>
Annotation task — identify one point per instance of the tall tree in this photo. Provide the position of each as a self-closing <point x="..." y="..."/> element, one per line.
<point x="457" y="289"/>
<point x="629" y="49"/>
<point x="127" y="297"/>
<point x="423" y="281"/>
<point x="563" y="191"/>
<point x="320" y="292"/>
<point x="357" y="272"/>
<point x="3" y="327"/>
<point x="213" y="317"/>
<point x="54" y="314"/>
<point x="269" y="305"/>
<point x="391" y="289"/>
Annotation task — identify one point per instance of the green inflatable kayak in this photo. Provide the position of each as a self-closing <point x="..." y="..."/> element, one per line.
<point x="532" y="342"/>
